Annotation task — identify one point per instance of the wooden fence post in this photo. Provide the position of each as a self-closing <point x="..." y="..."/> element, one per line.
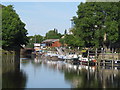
<point x="96" y="53"/>
<point x="112" y="58"/>
<point x="88" y="53"/>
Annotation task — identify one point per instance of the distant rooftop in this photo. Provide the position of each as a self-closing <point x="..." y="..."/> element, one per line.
<point x="50" y="40"/>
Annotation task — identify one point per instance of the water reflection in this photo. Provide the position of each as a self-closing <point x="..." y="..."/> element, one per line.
<point x="13" y="79"/>
<point x="36" y="72"/>
<point x="12" y="76"/>
<point x="42" y="76"/>
<point x="82" y="76"/>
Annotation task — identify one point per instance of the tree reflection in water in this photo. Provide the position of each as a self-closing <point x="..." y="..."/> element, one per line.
<point x="12" y="76"/>
<point x="98" y="79"/>
<point x="13" y="79"/>
<point x="82" y="76"/>
<point x="83" y="79"/>
<point x="79" y="76"/>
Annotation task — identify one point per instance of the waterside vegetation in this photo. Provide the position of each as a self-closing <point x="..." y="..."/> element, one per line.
<point x="14" y="34"/>
<point x="95" y="26"/>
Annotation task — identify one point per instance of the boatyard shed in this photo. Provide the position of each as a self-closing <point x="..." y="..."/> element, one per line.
<point x="52" y="43"/>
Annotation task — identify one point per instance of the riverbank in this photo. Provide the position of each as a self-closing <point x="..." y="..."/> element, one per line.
<point x="37" y="72"/>
<point x="8" y="56"/>
<point x="9" y="59"/>
<point x="88" y="57"/>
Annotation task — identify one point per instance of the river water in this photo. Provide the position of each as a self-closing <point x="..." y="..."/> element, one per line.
<point x="37" y="72"/>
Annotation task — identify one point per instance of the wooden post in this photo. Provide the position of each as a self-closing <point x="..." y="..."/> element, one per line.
<point x="112" y="54"/>
<point x="99" y="64"/>
<point x="112" y="58"/>
<point x="96" y="54"/>
<point x="88" y="57"/>
<point x="102" y="53"/>
<point x="88" y="54"/>
<point x="104" y="63"/>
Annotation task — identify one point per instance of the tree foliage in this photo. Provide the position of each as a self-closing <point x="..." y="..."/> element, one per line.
<point x="13" y="29"/>
<point x="53" y="34"/>
<point x="34" y="39"/>
<point x="94" y="21"/>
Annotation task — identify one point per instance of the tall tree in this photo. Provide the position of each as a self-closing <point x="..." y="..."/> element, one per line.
<point x="14" y="33"/>
<point x="53" y="34"/>
<point x="97" y="23"/>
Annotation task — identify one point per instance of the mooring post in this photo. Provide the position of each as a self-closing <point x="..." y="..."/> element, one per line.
<point x="104" y="63"/>
<point x="99" y="63"/>
<point x="112" y="58"/>
<point x="96" y="56"/>
<point x="88" y="57"/>
<point x="96" y="53"/>
<point x="88" y="54"/>
<point x="102" y="53"/>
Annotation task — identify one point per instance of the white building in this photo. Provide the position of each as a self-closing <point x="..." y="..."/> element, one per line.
<point x="37" y="46"/>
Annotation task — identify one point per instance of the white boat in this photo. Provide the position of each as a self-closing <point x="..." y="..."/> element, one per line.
<point x="68" y="56"/>
<point x="51" y="54"/>
<point x="85" y="60"/>
<point x="72" y="56"/>
<point x="82" y="59"/>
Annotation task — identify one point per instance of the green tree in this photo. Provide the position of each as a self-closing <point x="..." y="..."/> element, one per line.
<point x="38" y="38"/>
<point x="34" y="39"/>
<point x="31" y="42"/>
<point x="13" y="29"/>
<point x="95" y="22"/>
<point x="53" y="34"/>
<point x="71" y="40"/>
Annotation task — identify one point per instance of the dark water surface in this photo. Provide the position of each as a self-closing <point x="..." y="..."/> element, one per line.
<point x="40" y="73"/>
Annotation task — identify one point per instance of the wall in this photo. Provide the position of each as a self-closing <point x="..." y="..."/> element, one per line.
<point x="56" y="44"/>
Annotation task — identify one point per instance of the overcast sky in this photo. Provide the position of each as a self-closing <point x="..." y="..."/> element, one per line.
<point x="40" y="17"/>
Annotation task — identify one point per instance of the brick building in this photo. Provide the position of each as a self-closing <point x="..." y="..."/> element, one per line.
<point x="52" y="43"/>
